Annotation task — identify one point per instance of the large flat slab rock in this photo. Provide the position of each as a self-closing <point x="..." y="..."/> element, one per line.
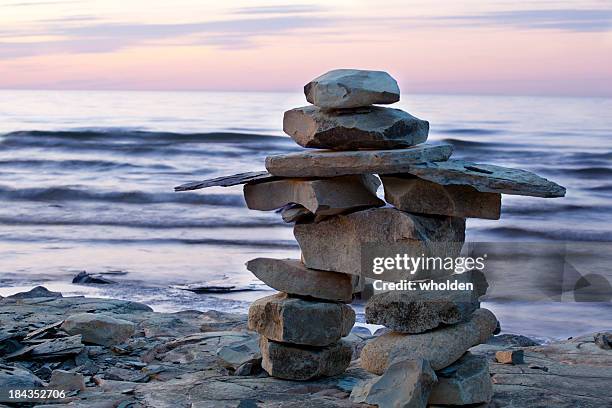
<point x="348" y="243"/>
<point x="425" y="197"/>
<point x="416" y="311"/>
<point x="227" y="181"/>
<point x="363" y="128"/>
<point x="328" y="163"/>
<point x="441" y="347"/>
<point x="98" y="328"/>
<point x="406" y="383"/>
<point x="466" y="381"/>
<point x="293" y="362"/>
<point x="487" y="178"/>
<point x="320" y="197"/>
<point x="351" y="88"/>
<point x="298" y="321"/>
<point x="291" y="276"/>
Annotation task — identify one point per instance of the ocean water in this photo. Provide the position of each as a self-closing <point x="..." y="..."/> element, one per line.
<point x="86" y="183"/>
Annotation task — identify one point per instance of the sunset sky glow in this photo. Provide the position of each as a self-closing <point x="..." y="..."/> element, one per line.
<point x="544" y="47"/>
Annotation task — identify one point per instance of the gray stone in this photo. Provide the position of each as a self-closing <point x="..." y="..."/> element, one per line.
<point x="466" y="381"/>
<point x="54" y="348"/>
<point x="406" y="383"/>
<point x="487" y="178"/>
<point x="291" y="276"/>
<point x="421" y="196"/>
<point x="15" y="377"/>
<point x="293" y="362"/>
<point x="297" y="321"/>
<point x="363" y="128"/>
<point x="320" y="197"/>
<point x="441" y="347"/>
<point x="227" y="181"/>
<point x="351" y="88"/>
<point x="604" y="340"/>
<point x="240" y="352"/>
<point x="67" y="381"/>
<point x="99" y="328"/>
<point x="338" y="243"/>
<point x="328" y="163"/>
<point x="510" y="357"/>
<point x="421" y="310"/>
<point x="37" y="292"/>
<point x="296" y="212"/>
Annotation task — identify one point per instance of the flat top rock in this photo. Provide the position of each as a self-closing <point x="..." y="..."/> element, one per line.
<point x="328" y="163"/>
<point x="487" y="178"/>
<point x="291" y="276"/>
<point x="227" y="181"/>
<point x="373" y="127"/>
<point x="351" y="88"/>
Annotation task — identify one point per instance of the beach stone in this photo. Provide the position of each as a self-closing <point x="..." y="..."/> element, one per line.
<point x="15" y="377"/>
<point x="604" y="340"/>
<point x="363" y="128"/>
<point x="406" y="383"/>
<point x="66" y="380"/>
<point x="240" y="352"/>
<point x="487" y="178"/>
<point x="36" y="292"/>
<point x="320" y="197"/>
<point x="441" y="347"/>
<point x="466" y="381"/>
<point x="292" y="362"/>
<point x="298" y="321"/>
<point x="351" y="88"/>
<point x="291" y="276"/>
<point x="417" y="311"/>
<point x="296" y="212"/>
<point x="421" y="196"/>
<point x="227" y="181"/>
<point x="99" y="329"/>
<point x="338" y="243"/>
<point x="329" y="163"/>
<point x="510" y="357"/>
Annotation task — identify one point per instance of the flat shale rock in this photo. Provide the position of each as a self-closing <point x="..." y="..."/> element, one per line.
<point x="338" y="243"/>
<point x="320" y="197"/>
<point x="487" y="178"/>
<point x="351" y="88"/>
<point x="227" y="181"/>
<point x="421" y="310"/>
<point x="421" y="196"/>
<point x="300" y="363"/>
<point x="296" y="212"/>
<point x="466" y="381"/>
<point x="291" y="276"/>
<point x="440" y="347"/>
<point x="328" y="163"/>
<point x="297" y="321"/>
<point x="406" y="383"/>
<point x="15" y="377"/>
<point x="363" y="128"/>
<point x="98" y="328"/>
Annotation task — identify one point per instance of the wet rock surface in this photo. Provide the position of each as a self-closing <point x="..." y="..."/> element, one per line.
<point x="174" y="360"/>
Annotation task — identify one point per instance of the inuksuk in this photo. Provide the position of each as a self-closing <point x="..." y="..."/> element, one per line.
<point x="329" y="192"/>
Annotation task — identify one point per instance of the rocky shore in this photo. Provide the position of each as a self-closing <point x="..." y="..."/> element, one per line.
<point x="114" y="353"/>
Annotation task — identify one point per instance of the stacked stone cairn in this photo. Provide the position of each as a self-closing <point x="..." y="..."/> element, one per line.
<point x="330" y="194"/>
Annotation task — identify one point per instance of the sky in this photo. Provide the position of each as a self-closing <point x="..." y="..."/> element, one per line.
<point x="545" y="47"/>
